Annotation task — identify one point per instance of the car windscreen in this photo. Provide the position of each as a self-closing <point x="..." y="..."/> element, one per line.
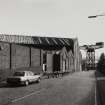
<point x="19" y="74"/>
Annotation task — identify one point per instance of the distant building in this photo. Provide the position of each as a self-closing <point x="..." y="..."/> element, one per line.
<point x="38" y="54"/>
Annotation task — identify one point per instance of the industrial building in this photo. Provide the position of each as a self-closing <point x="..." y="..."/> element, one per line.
<point x="38" y="54"/>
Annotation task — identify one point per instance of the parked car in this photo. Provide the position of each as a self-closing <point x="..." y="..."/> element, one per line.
<point x="23" y="77"/>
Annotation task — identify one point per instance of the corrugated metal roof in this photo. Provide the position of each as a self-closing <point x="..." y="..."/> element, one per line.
<point x="35" y="40"/>
<point x="17" y="39"/>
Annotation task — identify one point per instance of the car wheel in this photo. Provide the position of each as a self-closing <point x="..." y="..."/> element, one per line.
<point x="26" y="83"/>
<point x="38" y="80"/>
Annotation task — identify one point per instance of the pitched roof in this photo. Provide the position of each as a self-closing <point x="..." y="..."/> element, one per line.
<point x="36" y="40"/>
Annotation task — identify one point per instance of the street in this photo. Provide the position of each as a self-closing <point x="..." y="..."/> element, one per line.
<point x="73" y="89"/>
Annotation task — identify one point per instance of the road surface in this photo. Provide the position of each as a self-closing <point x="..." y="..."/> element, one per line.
<point x="100" y="88"/>
<point x="73" y="89"/>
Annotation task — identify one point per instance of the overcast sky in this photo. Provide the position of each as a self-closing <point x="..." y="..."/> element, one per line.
<point x="62" y="18"/>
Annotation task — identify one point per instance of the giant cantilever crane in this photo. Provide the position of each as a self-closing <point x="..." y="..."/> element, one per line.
<point x="90" y="54"/>
<point x="90" y="49"/>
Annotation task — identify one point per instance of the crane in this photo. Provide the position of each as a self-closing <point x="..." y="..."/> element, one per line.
<point x="90" y="54"/>
<point x="95" y="16"/>
<point x="90" y="49"/>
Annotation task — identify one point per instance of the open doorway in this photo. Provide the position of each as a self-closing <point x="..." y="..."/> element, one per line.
<point x="56" y="62"/>
<point x="44" y="62"/>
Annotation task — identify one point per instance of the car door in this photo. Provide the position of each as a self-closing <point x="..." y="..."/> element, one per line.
<point x="32" y="77"/>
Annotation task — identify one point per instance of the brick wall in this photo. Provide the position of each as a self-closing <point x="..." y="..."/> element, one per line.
<point x="35" y="57"/>
<point x="20" y="56"/>
<point x="4" y="60"/>
<point x="4" y="56"/>
<point x="36" y="60"/>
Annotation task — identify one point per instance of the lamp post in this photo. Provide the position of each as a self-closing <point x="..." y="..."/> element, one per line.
<point x="95" y="16"/>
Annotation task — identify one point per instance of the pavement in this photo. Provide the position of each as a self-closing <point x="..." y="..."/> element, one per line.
<point x="100" y="83"/>
<point x="73" y="89"/>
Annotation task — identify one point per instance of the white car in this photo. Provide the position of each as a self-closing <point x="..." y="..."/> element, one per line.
<point x="23" y="77"/>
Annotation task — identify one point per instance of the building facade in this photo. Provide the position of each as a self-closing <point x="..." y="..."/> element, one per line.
<point x="38" y="54"/>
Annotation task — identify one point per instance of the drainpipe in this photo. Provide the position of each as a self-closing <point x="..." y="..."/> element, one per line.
<point x="10" y="56"/>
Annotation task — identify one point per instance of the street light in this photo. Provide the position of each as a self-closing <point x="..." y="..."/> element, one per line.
<point x="95" y="16"/>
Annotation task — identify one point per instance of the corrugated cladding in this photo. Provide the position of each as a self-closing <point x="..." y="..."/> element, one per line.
<point x="17" y="39"/>
<point x="36" y="40"/>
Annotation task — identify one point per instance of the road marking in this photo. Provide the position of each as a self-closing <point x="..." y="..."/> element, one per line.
<point x="18" y="99"/>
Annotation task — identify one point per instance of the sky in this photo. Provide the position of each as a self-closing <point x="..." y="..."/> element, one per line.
<point x="59" y="18"/>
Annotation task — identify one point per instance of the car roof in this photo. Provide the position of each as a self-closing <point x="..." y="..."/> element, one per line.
<point x="25" y="71"/>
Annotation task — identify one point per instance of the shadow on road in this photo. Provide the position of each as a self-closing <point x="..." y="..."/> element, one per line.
<point x="5" y="85"/>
